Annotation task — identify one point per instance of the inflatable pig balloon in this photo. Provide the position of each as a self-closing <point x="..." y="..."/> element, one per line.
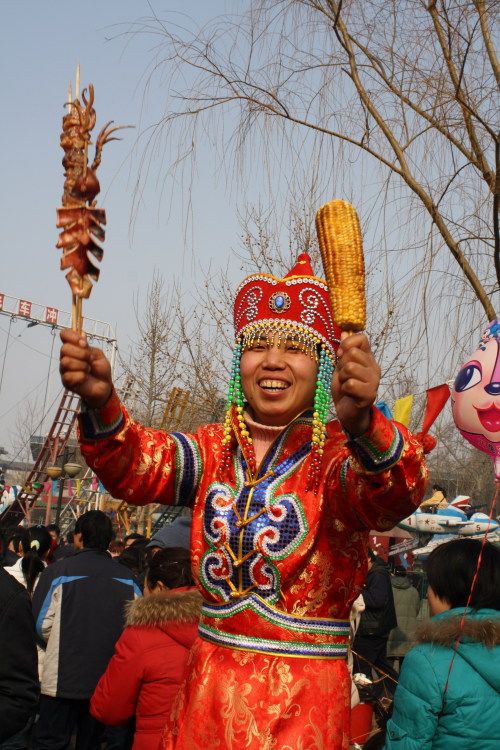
<point x="476" y="396"/>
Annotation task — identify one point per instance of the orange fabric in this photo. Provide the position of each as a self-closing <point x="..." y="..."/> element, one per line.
<point x="306" y="558"/>
<point x="262" y="703"/>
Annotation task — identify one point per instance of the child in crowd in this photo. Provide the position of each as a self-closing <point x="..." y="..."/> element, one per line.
<point x="35" y="544"/>
<point x="116" y="547"/>
<point x="449" y="688"/>
<point x="148" y="666"/>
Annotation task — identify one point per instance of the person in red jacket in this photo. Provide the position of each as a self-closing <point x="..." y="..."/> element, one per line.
<point x="147" y="668"/>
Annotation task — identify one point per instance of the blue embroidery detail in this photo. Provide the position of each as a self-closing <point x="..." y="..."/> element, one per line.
<point x="247" y="528"/>
<point x="372" y="458"/>
<point x="188" y="469"/>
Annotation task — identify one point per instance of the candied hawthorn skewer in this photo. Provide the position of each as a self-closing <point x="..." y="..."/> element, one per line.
<point x="80" y="220"/>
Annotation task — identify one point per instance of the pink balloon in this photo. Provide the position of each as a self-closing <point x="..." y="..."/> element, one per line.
<point x="475" y="396"/>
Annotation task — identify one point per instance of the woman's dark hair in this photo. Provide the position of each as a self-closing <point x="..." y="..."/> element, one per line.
<point x="135" y="537"/>
<point x="116" y="546"/>
<point x="135" y="558"/>
<point x="439" y="488"/>
<point x="451" y="568"/>
<point x="96" y="530"/>
<point x="16" y="538"/>
<point x="36" y="543"/>
<point x="172" y="567"/>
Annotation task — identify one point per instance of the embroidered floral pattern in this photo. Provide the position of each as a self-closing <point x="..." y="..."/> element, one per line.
<point x="248" y="304"/>
<point x="314" y="307"/>
<point x="247" y="528"/>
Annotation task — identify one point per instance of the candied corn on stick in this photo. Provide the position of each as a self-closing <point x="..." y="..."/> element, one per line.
<point x="341" y="246"/>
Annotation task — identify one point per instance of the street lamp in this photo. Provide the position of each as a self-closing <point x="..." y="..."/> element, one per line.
<point x="70" y="470"/>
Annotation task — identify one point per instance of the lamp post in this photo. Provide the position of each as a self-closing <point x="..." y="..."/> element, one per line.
<point x="70" y="470"/>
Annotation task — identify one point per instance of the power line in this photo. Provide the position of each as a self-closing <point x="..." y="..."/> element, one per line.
<point x="6" y="466"/>
<point x="23" y="398"/>
<point x="15" y="341"/>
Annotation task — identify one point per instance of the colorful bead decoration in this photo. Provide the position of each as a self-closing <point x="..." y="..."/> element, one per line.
<point x="277" y="332"/>
<point x="236" y="398"/>
<point x="322" y="399"/>
<point x="276" y="311"/>
<point x="274" y="334"/>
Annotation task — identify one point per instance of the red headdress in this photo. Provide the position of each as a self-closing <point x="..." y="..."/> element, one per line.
<point x="297" y="305"/>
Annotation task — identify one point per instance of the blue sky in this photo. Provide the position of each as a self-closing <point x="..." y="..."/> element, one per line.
<point x="41" y="41"/>
<point x="40" y="45"/>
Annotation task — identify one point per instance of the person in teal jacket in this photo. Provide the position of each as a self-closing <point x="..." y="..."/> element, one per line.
<point x="448" y="696"/>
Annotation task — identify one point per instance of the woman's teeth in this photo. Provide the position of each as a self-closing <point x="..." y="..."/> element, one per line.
<point x="273" y="385"/>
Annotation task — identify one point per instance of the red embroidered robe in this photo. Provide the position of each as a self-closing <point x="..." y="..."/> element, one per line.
<point x="278" y="567"/>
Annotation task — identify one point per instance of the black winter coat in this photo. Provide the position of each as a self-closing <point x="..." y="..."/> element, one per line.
<point x="379" y="616"/>
<point x="19" y="686"/>
<point x="79" y="607"/>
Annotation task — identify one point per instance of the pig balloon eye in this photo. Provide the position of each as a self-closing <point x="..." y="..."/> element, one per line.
<point x="467" y="378"/>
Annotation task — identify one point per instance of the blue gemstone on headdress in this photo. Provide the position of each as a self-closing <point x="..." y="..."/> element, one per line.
<point x="279" y="302"/>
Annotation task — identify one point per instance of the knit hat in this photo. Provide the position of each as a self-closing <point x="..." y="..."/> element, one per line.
<point x="175" y="534"/>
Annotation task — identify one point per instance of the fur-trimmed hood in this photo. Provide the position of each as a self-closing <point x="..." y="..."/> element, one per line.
<point x="445" y="631"/>
<point x="479" y="639"/>
<point x="176" y="606"/>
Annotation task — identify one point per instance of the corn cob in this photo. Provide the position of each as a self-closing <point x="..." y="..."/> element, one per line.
<point x="341" y="246"/>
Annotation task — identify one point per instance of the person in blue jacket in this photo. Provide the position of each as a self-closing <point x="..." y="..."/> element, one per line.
<point x="449" y="688"/>
<point x="79" y="605"/>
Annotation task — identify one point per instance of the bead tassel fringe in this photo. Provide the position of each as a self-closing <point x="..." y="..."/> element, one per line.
<point x="236" y="403"/>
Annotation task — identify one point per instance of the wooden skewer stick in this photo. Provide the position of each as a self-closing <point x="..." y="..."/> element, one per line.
<point x="74" y="319"/>
<point x="79" y="315"/>
<point x="77" y="82"/>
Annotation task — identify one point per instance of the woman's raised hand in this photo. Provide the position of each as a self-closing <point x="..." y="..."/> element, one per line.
<point x="84" y="369"/>
<point x="355" y="383"/>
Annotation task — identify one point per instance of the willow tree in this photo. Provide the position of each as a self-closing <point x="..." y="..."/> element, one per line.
<point x="390" y="103"/>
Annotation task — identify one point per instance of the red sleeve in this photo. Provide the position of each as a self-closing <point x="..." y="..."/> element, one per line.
<point x="139" y="464"/>
<point x="117" y="692"/>
<point x="383" y="479"/>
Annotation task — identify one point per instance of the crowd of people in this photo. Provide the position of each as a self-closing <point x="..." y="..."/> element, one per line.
<point x="241" y="636"/>
<point x="96" y="635"/>
<point x="96" y="642"/>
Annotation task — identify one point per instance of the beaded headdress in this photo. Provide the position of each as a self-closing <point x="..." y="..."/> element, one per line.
<point x="296" y="306"/>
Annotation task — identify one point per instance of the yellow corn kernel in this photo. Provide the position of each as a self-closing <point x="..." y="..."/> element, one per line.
<point x="341" y="246"/>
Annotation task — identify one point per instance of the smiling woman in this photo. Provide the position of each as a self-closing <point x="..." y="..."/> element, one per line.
<point x="283" y="500"/>
<point x="278" y="380"/>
